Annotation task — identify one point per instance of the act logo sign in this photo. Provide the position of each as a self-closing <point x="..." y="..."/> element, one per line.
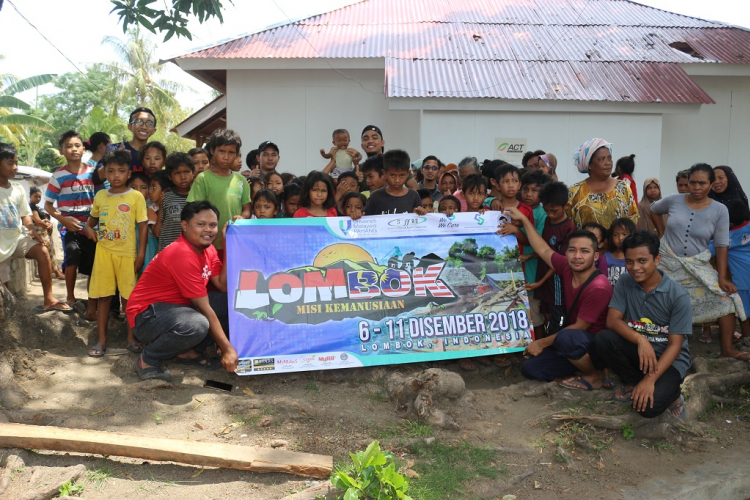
<point x="510" y="149"/>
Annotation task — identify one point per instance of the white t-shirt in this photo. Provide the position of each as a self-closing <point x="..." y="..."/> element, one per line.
<point x="13" y="206"/>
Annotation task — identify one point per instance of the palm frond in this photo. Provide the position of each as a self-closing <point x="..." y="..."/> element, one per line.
<point x="19" y="120"/>
<point x="28" y="83"/>
<point x="9" y="101"/>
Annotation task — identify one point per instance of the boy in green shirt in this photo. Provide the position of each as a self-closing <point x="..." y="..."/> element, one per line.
<point x="225" y="189"/>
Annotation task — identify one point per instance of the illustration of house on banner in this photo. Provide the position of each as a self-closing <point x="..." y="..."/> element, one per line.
<point x="488" y="79"/>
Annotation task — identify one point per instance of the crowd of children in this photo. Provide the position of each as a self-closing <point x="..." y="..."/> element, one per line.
<point x="123" y="206"/>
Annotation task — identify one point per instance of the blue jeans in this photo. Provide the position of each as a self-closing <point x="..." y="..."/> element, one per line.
<point x="171" y="329"/>
<point x="553" y="362"/>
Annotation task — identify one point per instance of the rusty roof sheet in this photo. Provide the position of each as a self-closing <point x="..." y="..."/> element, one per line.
<point x="566" y="81"/>
<point x="531" y="39"/>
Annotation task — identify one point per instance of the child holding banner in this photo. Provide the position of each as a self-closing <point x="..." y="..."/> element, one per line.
<point x="265" y="204"/>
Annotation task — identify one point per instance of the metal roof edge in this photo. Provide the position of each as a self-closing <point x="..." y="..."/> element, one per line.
<point x="248" y="33"/>
<point x="720" y="23"/>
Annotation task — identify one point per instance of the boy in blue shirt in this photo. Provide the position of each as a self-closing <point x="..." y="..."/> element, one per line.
<point x="739" y="254"/>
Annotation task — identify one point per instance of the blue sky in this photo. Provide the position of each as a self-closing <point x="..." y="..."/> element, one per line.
<point x="77" y="27"/>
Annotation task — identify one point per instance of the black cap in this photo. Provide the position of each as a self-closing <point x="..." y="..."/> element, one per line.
<point x="267" y="144"/>
<point x="372" y="127"/>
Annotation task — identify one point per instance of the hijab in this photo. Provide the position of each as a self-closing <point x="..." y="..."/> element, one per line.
<point x="645" y="222"/>
<point x="733" y="191"/>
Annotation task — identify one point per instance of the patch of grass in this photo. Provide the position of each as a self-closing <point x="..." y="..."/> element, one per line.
<point x="665" y="446"/>
<point x="312" y="388"/>
<point x="379" y="397"/>
<point x="99" y="476"/>
<point x="408" y="429"/>
<point x="68" y="489"/>
<point x="246" y="420"/>
<point x="446" y="471"/>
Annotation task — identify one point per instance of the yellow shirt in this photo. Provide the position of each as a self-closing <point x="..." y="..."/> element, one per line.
<point x="603" y="208"/>
<point x="119" y="215"/>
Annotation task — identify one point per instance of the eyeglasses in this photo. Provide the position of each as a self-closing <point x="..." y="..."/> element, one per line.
<point x="430" y="167"/>
<point x="140" y="123"/>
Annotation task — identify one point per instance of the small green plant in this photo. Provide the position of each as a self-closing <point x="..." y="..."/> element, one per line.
<point x="374" y="476"/>
<point x="627" y="431"/>
<point x="98" y="477"/>
<point x="157" y="418"/>
<point x="313" y="388"/>
<point x="68" y="489"/>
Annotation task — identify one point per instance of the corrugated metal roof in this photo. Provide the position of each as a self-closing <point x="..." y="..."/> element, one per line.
<point x="577" y="81"/>
<point x="531" y="39"/>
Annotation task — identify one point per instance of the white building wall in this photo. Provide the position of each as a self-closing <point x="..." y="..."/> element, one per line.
<point x="299" y="109"/>
<point x="718" y="135"/>
<point x="451" y="135"/>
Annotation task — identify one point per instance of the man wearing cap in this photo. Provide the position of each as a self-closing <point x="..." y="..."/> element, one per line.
<point x="268" y="157"/>
<point x="373" y="144"/>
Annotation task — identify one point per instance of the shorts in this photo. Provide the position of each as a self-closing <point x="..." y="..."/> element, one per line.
<point x="745" y="296"/>
<point x="79" y="251"/>
<point x="22" y="248"/>
<point x="111" y="273"/>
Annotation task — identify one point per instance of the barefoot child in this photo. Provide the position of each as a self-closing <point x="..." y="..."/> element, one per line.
<point x="341" y="155"/>
<point x="265" y="205"/>
<point x="226" y="190"/>
<point x="120" y="213"/>
<point x="317" y="198"/>
<point x="15" y="213"/>
<point x="169" y="227"/>
<point x="43" y="228"/>
<point x="72" y="187"/>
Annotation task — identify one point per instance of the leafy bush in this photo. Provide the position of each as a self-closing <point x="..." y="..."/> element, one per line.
<point x="375" y="477"/>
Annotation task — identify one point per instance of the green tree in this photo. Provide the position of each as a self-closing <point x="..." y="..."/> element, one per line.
<point x="172" y="20"/>
<point x="98" y="120"/>
<point x="79" y="94"/>
<point x="138" y="72"/>
<point x="486" y="253"/>
<point x="12" y="123"/>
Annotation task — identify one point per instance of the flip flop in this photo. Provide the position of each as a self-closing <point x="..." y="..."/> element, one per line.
<point x="97" y="352"/>
<point x="483" y="360"/>
<point x="135" y="347"/>
<point x="705" y="338"/>
<point x="681" y="404"/>
<point x="626" y="396"/>
<point x="569" y="384"/>
<point x="65" y="309"/>
<point x="501" y="361"/>
<point x="609" y="383"/>
<point x="200" y="361"/>
<point x="737" y="336"/>
<point x="467" y="364"/>
<point x="151" y="372"/>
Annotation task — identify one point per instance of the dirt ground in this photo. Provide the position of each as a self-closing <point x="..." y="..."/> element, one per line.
<point x="333" y="413"/>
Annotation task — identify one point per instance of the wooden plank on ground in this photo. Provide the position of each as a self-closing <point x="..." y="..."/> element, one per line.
<point x="228" y="456"/>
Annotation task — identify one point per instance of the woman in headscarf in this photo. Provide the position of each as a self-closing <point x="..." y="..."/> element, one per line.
<point x="600" y="198"/>
<point x="726" y="186"/>
<point x="548" y="164"/>
<point x="695" y="220"/>
<point x="651" y="194"/>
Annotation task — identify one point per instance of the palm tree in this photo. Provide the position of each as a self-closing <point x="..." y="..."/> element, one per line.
<point x="138" y="70"/>
<point x="11" y="122"/>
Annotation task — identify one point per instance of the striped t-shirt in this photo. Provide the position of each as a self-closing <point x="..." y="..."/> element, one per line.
<point x="171" y="220"/>
<point x="74" y="193"/>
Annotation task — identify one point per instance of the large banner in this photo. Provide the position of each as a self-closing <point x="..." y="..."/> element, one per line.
<point x="326" y="293"/>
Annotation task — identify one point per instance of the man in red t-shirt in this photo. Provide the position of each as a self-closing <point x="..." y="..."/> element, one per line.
<point x="560" y="356"/>
<point x="170" y="309"/>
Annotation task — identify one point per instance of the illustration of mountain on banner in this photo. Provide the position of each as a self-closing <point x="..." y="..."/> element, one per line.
<point x="344" y="281"/>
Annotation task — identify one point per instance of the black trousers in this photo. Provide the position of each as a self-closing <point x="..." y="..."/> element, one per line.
<point x="621" y="357"/>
